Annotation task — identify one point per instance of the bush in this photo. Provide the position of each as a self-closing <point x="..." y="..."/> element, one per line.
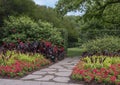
<point x="64" y="33"/>
<point x="49" y="33"/>
<point x="25" y="29"/>
<point x="50" y="51"/>
<point x="107" y="43"/>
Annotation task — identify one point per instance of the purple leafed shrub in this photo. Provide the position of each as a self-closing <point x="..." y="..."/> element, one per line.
<point x="104" y="53"/>
<point x="52" y="52"/>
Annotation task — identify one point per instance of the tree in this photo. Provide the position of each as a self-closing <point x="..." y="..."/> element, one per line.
<point x="65" y="6"/>
<point x="69" y="23"/>
<point x="101" y="17"/>
<point x="91" y="8"/>
<point x="47" y="14"/>
<point x="15" y="8"/>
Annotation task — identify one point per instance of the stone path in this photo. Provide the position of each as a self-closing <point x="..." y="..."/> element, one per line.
<point x="20" y="82"/>
<point x="57" y="74"/>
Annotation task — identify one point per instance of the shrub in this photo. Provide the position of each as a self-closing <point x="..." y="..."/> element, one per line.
<point x="64" y="33"/>
<point x="50" y="51"/>
<point x="107" y="43"/>
<point x="25" y="29"/>
<point x="49" y="33"/>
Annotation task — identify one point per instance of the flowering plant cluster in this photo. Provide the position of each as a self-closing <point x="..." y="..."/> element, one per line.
<point x="21" y="64"/>
<point x="52" y="52"/>
<point x="107" y="74"/>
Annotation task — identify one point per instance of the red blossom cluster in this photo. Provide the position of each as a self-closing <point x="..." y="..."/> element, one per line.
<point x="20" y="68"/>
<point x="109" y="75"/>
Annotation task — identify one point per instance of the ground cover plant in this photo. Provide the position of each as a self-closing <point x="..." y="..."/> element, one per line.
<point x="15" y="65"/>
<point x="98" y="69"/>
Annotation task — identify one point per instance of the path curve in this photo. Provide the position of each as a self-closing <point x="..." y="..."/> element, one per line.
<point x="56" y="74"/>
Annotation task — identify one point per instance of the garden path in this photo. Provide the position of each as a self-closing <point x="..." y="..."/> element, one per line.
<point x="56" y="74"/>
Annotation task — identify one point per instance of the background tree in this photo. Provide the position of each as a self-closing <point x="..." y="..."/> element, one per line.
<point x="101" y="17"/>
<point x="16" y="8"/>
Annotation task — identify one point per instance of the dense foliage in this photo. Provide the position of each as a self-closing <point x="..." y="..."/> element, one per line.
<point x="91" y="8"/>
<point x="37" y="12"/>
<point x="98" y="18"/>
<point x="15" y="8"/>
<point x="95" y="28"/>
<point x="98" y="69"/>
<point x="49" y="33"/>
<point x="22" y="28"/>
<point x="107" y="43"/>
<point x="25" y="29"/>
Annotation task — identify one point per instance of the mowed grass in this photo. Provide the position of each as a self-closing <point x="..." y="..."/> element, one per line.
<point x="74" y="52"/>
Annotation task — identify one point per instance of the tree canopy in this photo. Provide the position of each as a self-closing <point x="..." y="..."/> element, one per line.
<point x="100" y="17"/>
<point x="15" y="8"/>
<point x="91" y="8"/>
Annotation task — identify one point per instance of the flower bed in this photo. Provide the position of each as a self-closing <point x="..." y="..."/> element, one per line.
<point x="14" y="64"/>
<point x="100" y="69"/>
<point x="50" y="51"/>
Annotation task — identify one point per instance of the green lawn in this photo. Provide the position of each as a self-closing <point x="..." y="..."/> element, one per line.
<point x="73" y="52"/>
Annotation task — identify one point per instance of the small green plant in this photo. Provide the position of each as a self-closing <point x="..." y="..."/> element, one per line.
<point x="100" y="61"/>
<point x="7" y="58"/>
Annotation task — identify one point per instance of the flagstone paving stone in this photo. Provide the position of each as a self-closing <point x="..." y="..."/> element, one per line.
<point x="62" y="79"/>
<point x="31" y="77"/>
<point x="39" y="73"/>
<point x="46" y="78"/>
<point x="63" y="74"/>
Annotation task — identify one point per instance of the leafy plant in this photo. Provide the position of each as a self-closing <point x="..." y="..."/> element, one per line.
<point x="108" y="45"/>
<point x="25" y="29"/>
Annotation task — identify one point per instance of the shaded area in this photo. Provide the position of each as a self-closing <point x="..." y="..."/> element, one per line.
<point x="72" y="52"/>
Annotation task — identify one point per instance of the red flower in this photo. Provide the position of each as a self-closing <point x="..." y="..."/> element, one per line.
<point x="113" y="78"/>
<point x="113" y="67"/>
<point x="95" y="70"/>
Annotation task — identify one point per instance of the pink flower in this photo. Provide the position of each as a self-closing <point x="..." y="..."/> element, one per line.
<point x="113" y="78"/>
<point x="95" y="70"/>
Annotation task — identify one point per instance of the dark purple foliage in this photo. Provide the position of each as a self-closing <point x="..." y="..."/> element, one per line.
<point x="105" y="53"/>
<point x="50" y="51"/>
